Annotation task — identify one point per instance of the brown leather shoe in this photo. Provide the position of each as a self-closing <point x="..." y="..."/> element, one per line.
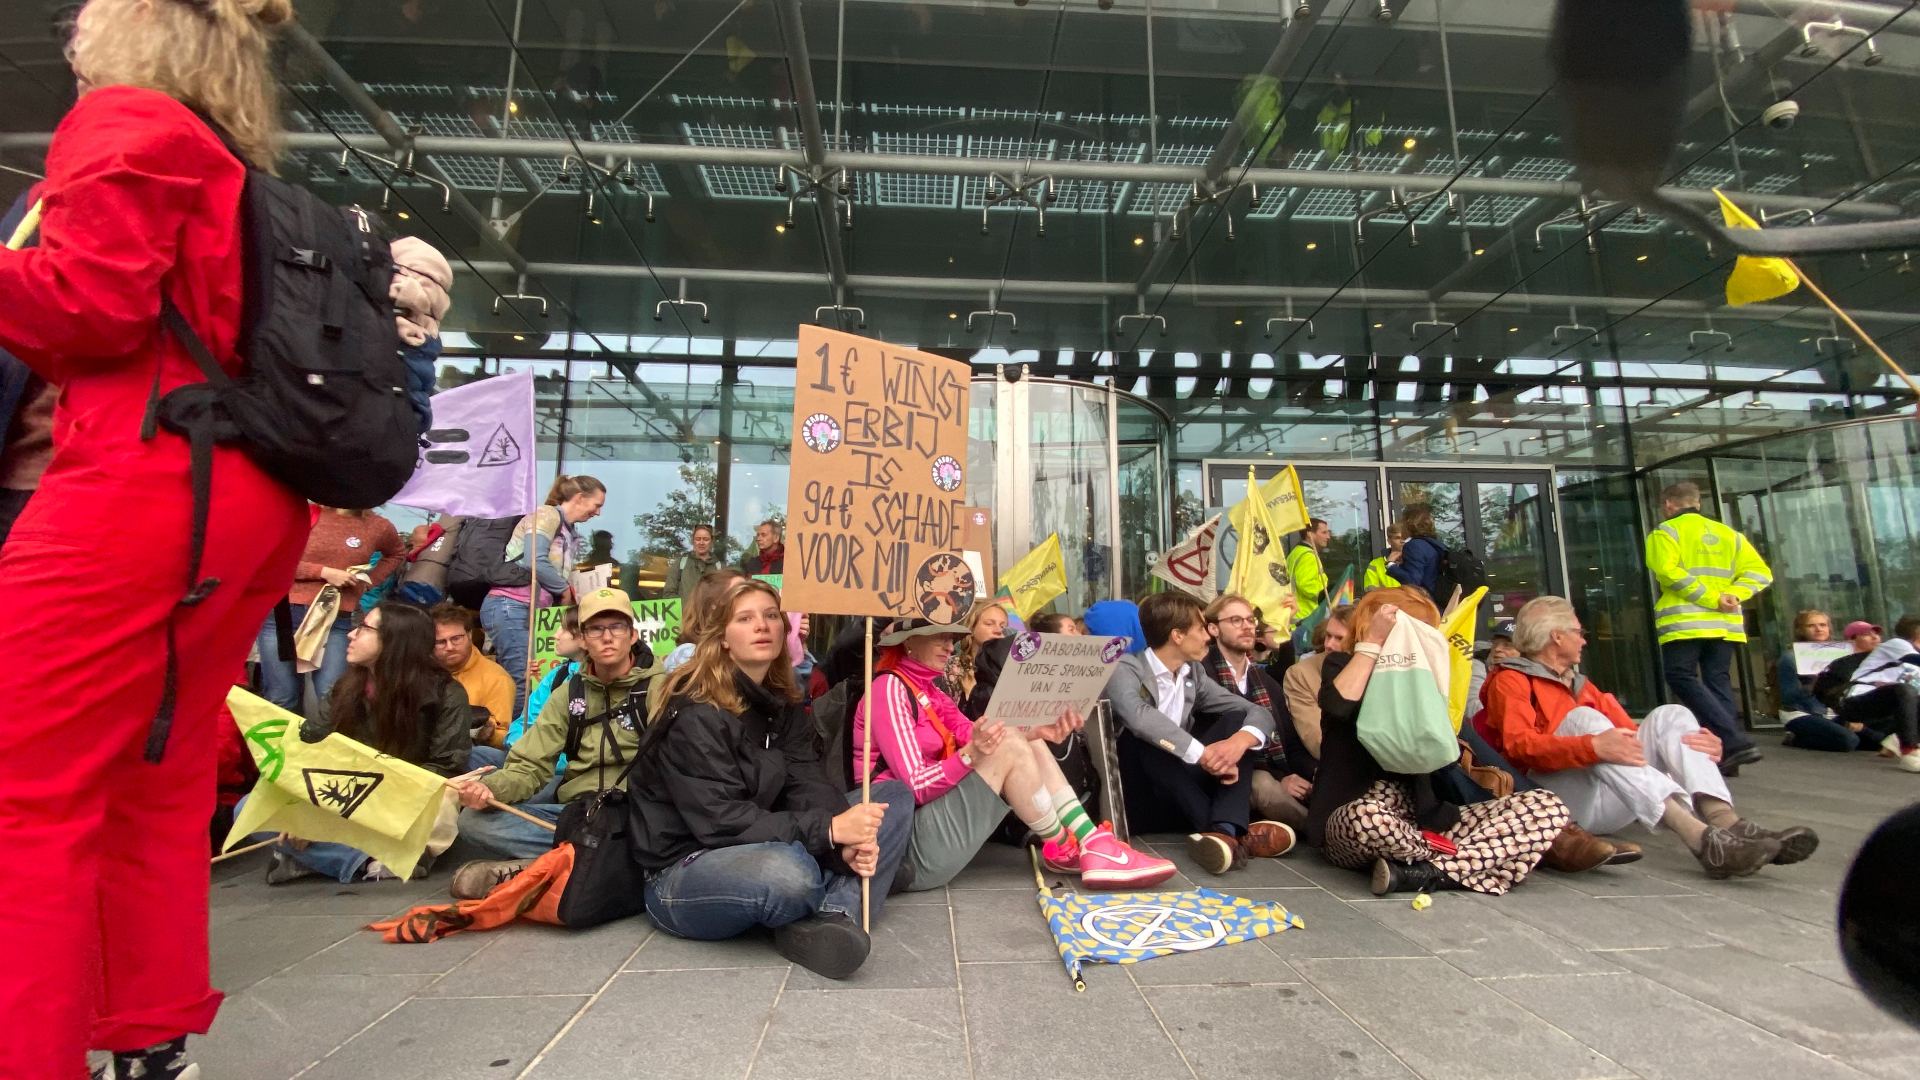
<point x="1576" y="850"/>
<point x="1267" y="840"/>
<point x="1216" y="853"/>
<point x="1624" y="851"/>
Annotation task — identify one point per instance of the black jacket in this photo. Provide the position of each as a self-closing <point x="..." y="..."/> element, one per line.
<point x="1347" y="770"/>
<point x="1297" y="762"/>
<point x="1830" y="686"/>
<point x="710" y="779"/>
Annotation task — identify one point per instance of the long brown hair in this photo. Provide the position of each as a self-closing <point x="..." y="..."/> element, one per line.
<point x="708" y="676"/>
<point x="406" y="680"/>
<point x="566" y="487"/>
<point x="1417" y="520"/>
<point x="210" y="55"/>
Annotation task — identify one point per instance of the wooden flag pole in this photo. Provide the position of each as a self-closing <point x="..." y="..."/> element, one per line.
<point x="496" y="804"/>
<point x="237" y="852"/>
<point x="866" y="774"/>
<point x="1855" y="327"/>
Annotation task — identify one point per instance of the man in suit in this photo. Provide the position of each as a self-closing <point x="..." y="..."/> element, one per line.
<point x="1185" y="741"/>
<point x="1282" y="769"/>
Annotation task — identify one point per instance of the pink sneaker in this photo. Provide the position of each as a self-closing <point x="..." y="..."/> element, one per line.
<point x="1063" y="857"/>
<point x="1106" y="863"/>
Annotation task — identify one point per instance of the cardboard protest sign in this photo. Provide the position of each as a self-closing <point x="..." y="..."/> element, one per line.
<point x="877" y="495"/>
<point x="659" y="626"/>
<point x="1812" y="657"/>
<point x="1047" y="674"/>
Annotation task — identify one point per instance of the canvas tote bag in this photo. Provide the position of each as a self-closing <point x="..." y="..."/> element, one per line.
<point x="1404" y="719"/>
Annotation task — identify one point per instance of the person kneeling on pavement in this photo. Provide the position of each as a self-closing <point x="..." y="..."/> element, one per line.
<point x="595" y="720"/>
<point x="1185" y="756"/>
<point x="965" y="775"/>
<point x="733" y="819"/>
<point x="1577" y="741"/>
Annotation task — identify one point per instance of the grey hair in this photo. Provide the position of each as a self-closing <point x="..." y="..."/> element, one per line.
<point x="1533" y="627"/>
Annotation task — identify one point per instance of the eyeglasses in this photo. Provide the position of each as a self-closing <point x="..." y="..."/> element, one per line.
<point x="607" y="631"/>
<point x="1237" y="620"/>
<point x="448" y="642"/>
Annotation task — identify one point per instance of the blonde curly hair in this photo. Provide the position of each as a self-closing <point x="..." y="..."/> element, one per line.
<point x="210" y="55"/>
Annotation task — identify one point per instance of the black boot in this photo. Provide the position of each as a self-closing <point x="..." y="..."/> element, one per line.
<point x="829" y="944"/>
<point x="1393" y="877"/>
<point x="167" y="1061"/>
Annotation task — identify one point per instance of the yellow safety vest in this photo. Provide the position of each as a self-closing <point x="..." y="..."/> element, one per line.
<point x="1697" y="560"/>
<point x="1376" y="576"/>
<point x="1309" y="580"/>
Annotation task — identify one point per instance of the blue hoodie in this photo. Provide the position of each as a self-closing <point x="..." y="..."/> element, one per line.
<point x="1118" y="618"/>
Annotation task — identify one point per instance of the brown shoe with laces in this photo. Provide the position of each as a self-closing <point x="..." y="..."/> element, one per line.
<point x="1624" y="852"/>
<point x="1724" y="855"/>
<point x="1576" y="850"/>
<point x="1267" y="840"/>
<point x="1796" y="843"/>
<point x="1216" y="853"/>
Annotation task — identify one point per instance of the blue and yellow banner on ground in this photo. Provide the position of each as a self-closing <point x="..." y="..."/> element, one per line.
<point x="1126" y="928"/>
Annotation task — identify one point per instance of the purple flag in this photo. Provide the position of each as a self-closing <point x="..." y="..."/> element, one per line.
<point x="479" y="457"/>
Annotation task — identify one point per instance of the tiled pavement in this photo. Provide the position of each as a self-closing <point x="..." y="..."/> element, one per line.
<point x="1641" y="971"/>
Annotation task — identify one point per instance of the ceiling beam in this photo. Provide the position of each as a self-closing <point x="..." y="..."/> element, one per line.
<point x="813" y="140"/>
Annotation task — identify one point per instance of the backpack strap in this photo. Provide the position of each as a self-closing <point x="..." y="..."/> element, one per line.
<point x="200" y="437"/>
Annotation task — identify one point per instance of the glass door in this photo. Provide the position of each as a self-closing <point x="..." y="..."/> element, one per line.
<point x="1348" y="499"/>
<point x="1507" y="517"/>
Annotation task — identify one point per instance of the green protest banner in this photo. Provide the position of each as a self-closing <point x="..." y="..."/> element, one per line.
<point x="659" y="627"/>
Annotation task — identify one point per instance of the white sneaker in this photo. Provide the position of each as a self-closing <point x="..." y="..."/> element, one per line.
<point x="1910" y="761"/>
<point x="1890" y="746"/>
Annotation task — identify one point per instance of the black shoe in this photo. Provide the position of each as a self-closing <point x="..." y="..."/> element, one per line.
<point x="902" y="879"/>
<point x="167" y="1061"/>
<point x="831" y="945"/>
<point x="1393" y="877"/>
<point x="1729" y="770"/>
<point x="1746" y="755"/>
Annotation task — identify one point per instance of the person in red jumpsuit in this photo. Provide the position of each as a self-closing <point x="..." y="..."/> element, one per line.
<point x="103" y="914"/>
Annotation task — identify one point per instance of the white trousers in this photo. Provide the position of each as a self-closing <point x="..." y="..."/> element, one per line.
<point x="1606" y="797"/>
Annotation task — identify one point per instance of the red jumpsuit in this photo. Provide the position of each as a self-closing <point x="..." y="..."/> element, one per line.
<point x="103" y="901"/>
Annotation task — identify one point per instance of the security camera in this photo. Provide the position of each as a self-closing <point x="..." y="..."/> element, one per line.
<point x="1780" y="115"/>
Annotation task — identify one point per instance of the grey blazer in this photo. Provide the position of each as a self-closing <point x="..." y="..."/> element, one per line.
<point x="1132" y="693"/>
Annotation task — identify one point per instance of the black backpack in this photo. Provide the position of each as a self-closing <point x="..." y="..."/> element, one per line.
<point x="1460" y="568"/>
<point x="606" y="884"/>
<point x="321" y="404"/>
<point x="479" y="561"/>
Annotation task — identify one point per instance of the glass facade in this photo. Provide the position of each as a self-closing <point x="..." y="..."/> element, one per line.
<point x="1344" y="234"/>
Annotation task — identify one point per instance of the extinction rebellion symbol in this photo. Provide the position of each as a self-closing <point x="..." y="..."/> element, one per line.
<point x="1152" y="926"/>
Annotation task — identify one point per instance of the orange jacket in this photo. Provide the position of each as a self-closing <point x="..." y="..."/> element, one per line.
<point x="1524" y="710"/>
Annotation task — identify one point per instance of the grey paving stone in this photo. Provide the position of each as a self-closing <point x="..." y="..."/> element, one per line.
<point x="278" y="1026"/>
<point x="1316" y="870"/>
<point x="1302" y="1034"/>
<point x="1446" y="1026"/>
<point x="1257" y="874"/>
<point x="676" y="1025"/>
<point x="1887" y="1067"/>
<point x="448" y="1038"/>
<point x="995" y="866"/>
<point x="529" y="958"/>
<point x="365" y="953"/>
<point x="1590" y="923"/>
<point x="1233" y="965"/>
<point x="1731" y="922"/>
<point x="1333" y="928"/>
<point x="1001" y="925"/>
<point x="1798" y="1005"/>
<point x="837" y="1035"/>
<point x="912" y="949"/>
<point x="324" y="896"/>
<point x="1660" y="1033"/>
<point x="1471" y="932"/>
<point x="664" y="952"/>
<point x="1022" y="1019"/>
<point x="246" y="950"/>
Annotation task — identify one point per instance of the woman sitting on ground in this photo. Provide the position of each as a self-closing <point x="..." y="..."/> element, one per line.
<point x="1363" y="816"/>
<point x="985" y="622"/>
<point x="1810" y="724"/>
<point x="965" y="776"/>
<point x="734" y="821"/>
<point x="396" y="698"/>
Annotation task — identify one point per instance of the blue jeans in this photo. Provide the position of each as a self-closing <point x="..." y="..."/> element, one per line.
<point x="503" y="834"/>
<point x="1812" y="732"/>
<point x="718" y="893"/>
<point x="505" y="620"/>
<point x="1696" y="671"/>
<point x="337" y="861"/>
<point x="281" y="681"/>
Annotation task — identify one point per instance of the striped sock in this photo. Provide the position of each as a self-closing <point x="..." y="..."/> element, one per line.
<point x="1048" y="827"/>
<point x="1073" y="816"/>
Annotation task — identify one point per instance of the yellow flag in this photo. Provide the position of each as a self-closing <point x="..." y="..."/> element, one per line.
<point x="1035" y="579"/>
<point x="1259" y="567"/>
<point x="1286" y="506"/>
<point x="335" y="790"/>
<point x="1754" y="278"/>
<point x="1458" y="628"/>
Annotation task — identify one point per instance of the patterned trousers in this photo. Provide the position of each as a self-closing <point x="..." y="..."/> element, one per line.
<point x="1498" y="842"/>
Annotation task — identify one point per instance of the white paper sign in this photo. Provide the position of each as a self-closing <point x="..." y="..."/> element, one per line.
<point x="1047" y="674"/>
<point x="1812" y="657"/>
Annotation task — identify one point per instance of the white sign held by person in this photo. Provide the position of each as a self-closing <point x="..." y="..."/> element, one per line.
<point x="1189" y="564"/>
<point x="478" y="461"/>
<point x="1047" y="674"/>
<point x="1812" y="657"/>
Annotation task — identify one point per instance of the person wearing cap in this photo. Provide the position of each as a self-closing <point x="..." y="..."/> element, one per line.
<point x="596" y="723"/>
<point x="1830" y="686"/>
<point x="1810" y="724"/>
<point x="966" y="775"/>
<point x="1500" y="648"/>
<point x="1884" y="694"/>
